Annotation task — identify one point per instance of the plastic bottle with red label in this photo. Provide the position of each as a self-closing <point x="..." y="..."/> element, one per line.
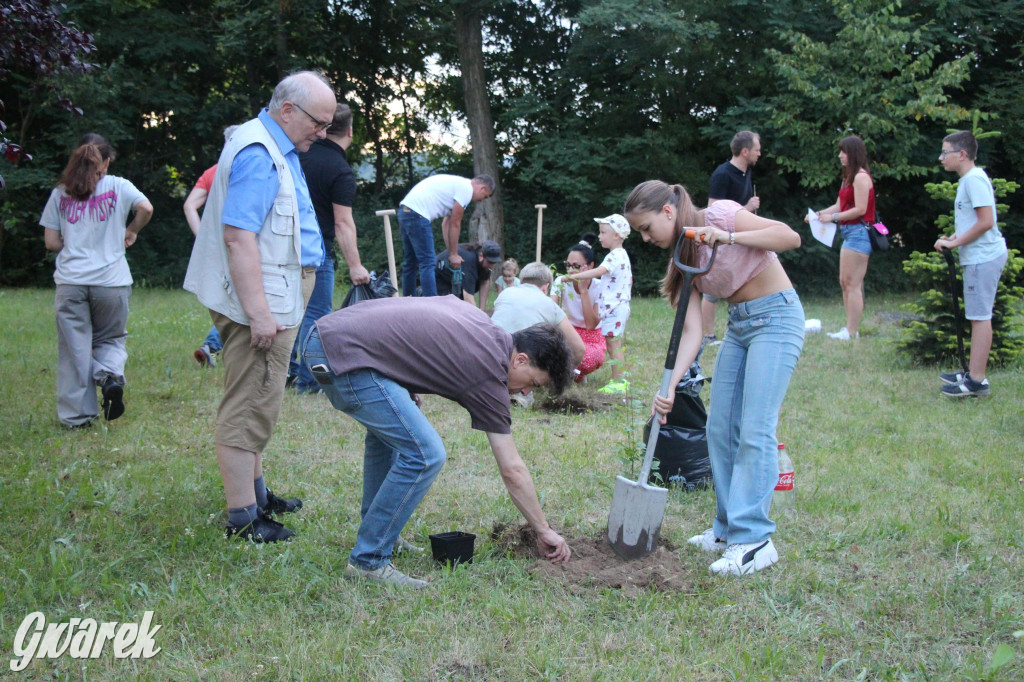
<point x="784" y="498"/>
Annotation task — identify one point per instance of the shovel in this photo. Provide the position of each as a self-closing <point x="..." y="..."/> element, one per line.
<point x="638" y="508"/>
<point x="956" y="308"/>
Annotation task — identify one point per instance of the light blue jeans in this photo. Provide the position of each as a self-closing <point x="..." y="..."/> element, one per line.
<point x="402" y="452"/>
<point x="752" y="372"/>
<point x="420" y="257"/>
<point x="320" y="303"/>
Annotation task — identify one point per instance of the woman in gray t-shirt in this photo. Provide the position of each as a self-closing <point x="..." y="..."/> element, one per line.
<point x="85" y="223"/>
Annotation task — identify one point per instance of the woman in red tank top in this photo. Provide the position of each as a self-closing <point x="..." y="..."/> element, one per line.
<point x="853" y="211"/>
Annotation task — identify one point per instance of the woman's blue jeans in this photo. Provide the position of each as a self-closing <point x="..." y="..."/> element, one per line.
<point x="420" y="257"/>
<point x="401" y="458"/>
<point x="752" y="372"/>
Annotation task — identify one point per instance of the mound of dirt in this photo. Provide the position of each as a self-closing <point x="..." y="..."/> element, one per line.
<point x="580" y="401"/>
<point x="594" y="565"/>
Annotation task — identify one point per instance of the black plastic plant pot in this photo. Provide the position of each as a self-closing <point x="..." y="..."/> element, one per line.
<point x="454" y="547"/>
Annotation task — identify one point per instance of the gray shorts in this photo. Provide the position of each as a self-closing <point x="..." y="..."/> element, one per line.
<point x="980" y="284"/>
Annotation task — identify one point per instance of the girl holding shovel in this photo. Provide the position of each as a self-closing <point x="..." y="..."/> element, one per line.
<point x="755" y="361"/>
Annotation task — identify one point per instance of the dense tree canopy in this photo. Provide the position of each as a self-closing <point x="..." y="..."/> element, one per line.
<point x="587" y="98"/>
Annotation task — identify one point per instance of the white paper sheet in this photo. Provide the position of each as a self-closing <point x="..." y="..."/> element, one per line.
<point x="823" y="232"/>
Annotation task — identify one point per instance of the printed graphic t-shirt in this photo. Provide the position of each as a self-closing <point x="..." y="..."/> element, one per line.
<point x="617" y="283"/>
<point x="93" y="232"/>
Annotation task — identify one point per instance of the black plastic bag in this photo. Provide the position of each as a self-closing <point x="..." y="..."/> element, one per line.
<point x="379" y="287"/>
<point x="682" y="449"/>
<point x="357" y="294"/>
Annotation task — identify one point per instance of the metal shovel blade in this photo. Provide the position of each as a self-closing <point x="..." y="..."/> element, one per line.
<point x="634" y="523"/>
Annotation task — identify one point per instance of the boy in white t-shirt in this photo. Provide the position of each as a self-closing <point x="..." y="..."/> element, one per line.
<point x="613" y="301"/>
<point x="982" y="255"/>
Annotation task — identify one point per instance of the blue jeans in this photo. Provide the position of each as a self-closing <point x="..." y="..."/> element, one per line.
<point x="213" y="341"/>
<point x="320" y="303"/>
<point x="855" y="237"/>
<point x="752" y="372"/>
<point x="418" y="240"/>
<point x="402" y="452"/>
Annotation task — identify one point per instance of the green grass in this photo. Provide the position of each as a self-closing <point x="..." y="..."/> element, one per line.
<point x="906" y="560"/>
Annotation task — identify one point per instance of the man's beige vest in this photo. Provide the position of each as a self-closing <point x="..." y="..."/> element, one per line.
<point x="209" y="276"/>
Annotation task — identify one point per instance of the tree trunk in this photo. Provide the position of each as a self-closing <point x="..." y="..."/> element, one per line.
<point x="488" y="220"/>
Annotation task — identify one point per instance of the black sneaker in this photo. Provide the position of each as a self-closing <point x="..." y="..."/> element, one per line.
<point x="952" y="377"/>
<point x="113" y="397"/>
<point x="967" y="388"/>
<point x="263" y="529"/>
<point x="280" y="505"/>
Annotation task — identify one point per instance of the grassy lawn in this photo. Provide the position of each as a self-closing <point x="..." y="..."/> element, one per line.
<point x="906" y="559"/>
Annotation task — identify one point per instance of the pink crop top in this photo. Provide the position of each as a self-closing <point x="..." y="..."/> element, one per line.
<point x="734" y="265"/>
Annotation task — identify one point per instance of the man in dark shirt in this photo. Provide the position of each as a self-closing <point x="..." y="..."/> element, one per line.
<point x="477" y="261"/>
<point x="332" y="187"/>
<point x="375" y="358"/>
<point x="732" y="180"/>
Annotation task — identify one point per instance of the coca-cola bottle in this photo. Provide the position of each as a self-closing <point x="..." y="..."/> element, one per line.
<point x="784" y="498"/>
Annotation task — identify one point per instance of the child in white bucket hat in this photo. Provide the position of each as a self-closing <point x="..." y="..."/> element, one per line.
<point x="613" y="301"/>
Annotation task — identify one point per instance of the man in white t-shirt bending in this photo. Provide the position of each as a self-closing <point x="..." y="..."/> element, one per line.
<point x="439" y="196"/>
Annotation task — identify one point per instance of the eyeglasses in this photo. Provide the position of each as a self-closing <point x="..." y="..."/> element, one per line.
<point x="571" y="266"/>
<point x="320" y="125"/>
<point x="946" y="152"/>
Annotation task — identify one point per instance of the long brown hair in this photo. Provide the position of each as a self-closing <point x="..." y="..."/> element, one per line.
<point x="84" y="168"/>
<point x="856" y="157"/>
<point x="652" y="196"/>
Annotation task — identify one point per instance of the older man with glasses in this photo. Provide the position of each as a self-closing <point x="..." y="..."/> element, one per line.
<point x="254" y="265"/>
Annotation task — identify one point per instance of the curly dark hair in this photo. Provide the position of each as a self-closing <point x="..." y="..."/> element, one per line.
<point x="548" y="352"/>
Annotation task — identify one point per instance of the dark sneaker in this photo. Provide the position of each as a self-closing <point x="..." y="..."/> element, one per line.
<point x="263" y="529"/>
<point x="113" y="398"/>
<point x="204" y="356"/>
<point x="952" y="377"/>
<point x="289" y="380"/>
<point x="741" y="559"/>
<point x="966" y="388"/>
<point x="280" y="505"/>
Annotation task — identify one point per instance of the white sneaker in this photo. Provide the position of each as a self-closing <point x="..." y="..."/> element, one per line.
<point x="385" y="574"/>
<point x="842" y="335"/>
<point x="743" y="559"/>
<point x="707" y="541"/>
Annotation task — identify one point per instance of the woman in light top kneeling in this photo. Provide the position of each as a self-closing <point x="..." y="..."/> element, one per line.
<point x="755" y="361"/>
<point x="579" y="301"/>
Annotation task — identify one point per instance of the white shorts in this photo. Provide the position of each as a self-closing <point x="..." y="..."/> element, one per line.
<point x="613" y="324"/>
<point x="980" y="284"/>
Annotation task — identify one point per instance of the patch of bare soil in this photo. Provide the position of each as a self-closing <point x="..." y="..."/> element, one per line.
<point x="580" y="400"/>
<point x="594" y="565"/>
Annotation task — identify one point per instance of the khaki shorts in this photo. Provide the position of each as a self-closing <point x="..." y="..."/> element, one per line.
<point x="253" y="380"/>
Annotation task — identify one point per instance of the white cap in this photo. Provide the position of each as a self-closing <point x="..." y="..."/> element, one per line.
<point x="617" y="223"/>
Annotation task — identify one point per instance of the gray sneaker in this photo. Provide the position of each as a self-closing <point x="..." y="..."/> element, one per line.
<point x="403" y="545"/>
<point x="387" y="574"/>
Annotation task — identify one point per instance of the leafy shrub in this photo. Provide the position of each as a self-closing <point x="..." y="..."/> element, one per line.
<point x="931" y="337"/>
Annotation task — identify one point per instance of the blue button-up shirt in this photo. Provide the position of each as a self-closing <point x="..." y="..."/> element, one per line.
<point x="253" y="186"/>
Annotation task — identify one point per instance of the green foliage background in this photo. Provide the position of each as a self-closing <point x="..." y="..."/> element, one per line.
<point x="589" y="97"/>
